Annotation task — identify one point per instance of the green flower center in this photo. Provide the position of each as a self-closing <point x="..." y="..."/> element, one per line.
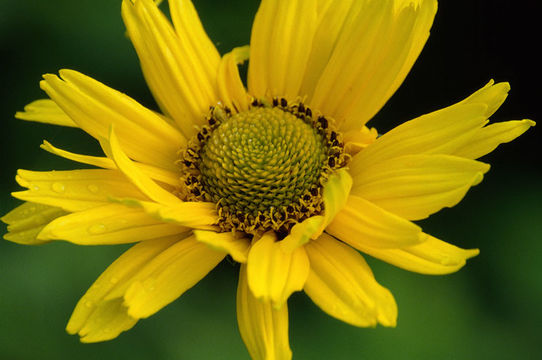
<point x="264" y="168"/>
<point x="260" y="160"/>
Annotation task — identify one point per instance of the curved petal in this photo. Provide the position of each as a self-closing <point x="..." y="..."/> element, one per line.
<point x="342" y="284"/>
<point x="167" y="276"/>
<point x="75" y="190"/>
<point x="230" y="86"/>
<point x="361" y="223"/>
<point x="374" y="51"/>
<point x="264" y="329"/>
<point x="45" y="111"/>
<point x="274" y="274"/>
<point x="180" y="68"/>
<point x="232" y="243"/>
<point x="486" y="139"/>
<point x="108" y="224"/>
<point x="280" y="47"/>
<point x="144" y="183"/>
<point x="416" y="186"/>
<point x="431" y="257"/>
<point x="117" y="274"/>
<point x="159" y="174"/>
<point x="336" y="191"/>
<point x="440" y="132"/>
<point x="95" y="107"/>
<point x="26" y="221"/>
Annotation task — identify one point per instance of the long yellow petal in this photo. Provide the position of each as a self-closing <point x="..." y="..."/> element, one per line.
<point x="361" y="223"/>
<point x="94" y="107"/>
<point x="26" y="221"/>
<point x="168" y="276"/>
<point x="342" y="284"/>
<point x="143" y="182"/>
<point x="440" y="132"/>
<point x="119" y="273"/>
<point x="75" y="190"/>
<point x="199" y="215"/>
<point x="281" y="44"/>
<point x="234" y="244"/>
<point x="264" y="329"/>
<point x="175" y="66"/>
<point x="336" y="191"/>
<point x="274" y="274"/>
<point x="377" y="46"/>
<point x="486" y="139"/>
<point x="155" y="173"/>
<point x="416" y="186"/>
<point x="108" y="224"/>
<point x="230" y="86"/>
<point x="431" y="257"/>
<point x="45" y="111"/>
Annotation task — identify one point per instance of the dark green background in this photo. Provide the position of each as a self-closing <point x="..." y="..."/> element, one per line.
<point x="489" y="310"/>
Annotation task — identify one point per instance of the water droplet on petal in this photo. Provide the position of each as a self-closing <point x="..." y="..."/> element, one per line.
<point x="58" y="187"/>
<point x="93" y="188"/>
<point x="89" y="303"/>
<point x="97" y="229"/>
<point x="114" y="280"/>
<point x="35" y="187"/>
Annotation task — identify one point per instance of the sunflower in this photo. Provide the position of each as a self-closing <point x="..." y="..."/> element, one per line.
<point x="281" y="175"/>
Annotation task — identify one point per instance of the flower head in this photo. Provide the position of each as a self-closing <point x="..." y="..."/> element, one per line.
<point x="282" y="175"/>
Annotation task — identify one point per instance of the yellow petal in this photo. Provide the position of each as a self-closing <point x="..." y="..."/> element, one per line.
<point x="336" y="191"/>
<point x="119" y="273"/>
<point x="108" y="224"/>
<point x="357" y="140"/>
<point x="169" y="275"/>
<point x="159" y="174"/>
<point x="264" y="329"/>
<point x="440" y="132"/>
<point x="342" y="284"/>
<point x="280" y="46"/>
<point x="230" y="86"/>
<point x="229" y="242"/>
<point x="26" y="221"/>
<point x="45" y="111"/>
<point x="274" y="274"/>
<point x="94" y="107"/>
<point x="180" y="68"/>
<point x="361" y="223"/>
<point x="416" y="186"/>
<point x="301" y="233"/>
<point x="199" y="215"/>
<point x="144" y="183"/>
<point x="107" y="321"/>
<point x="75" y="190"/>
<point x="377" y="46"/>
<point x="486" y="139"/>
<point x="431" y="257"/>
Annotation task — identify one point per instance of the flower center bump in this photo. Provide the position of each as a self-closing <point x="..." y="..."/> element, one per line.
<point x="264" y="167"/>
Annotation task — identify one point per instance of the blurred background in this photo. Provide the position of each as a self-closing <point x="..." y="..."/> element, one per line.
<point x="490" y="309"/>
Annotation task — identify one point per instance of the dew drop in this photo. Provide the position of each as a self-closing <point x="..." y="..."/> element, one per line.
<point x="93" y="188"/>
<point x="35" y="187"/>
<point x="58" y="187"/>
<point x="114" y="280"/>
<point x="88" y="303"/>
<point x="96" y="229"/>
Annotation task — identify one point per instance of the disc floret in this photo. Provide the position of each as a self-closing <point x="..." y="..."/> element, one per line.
<point x="265" y="167"/>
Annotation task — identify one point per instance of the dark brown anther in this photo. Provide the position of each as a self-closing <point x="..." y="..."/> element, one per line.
<point x="196" y="192"/>
<point x="204" y="131"/>
<point x="308" y="112"/>
<point x="212" y="121"/>
<point x="306" y="197"/>
<point x="301" y="108"/>
<point x="304" y="209"/>
<point x="275" y="102"/>
<point x="262" y="218"/>
<point x="282" y="232"/>
<point x="323" y="122"/>
<point x="283" y="102"/>
<point x="314" y="191"/>
<point x="255" y="102"/>
<point x="333" y="136"/>
<point x="335" y="142"/>
<point x="331" y="162"/>
<point x="290" y="209"/>
<point x="227" y="110"/>
<point x="200" y="137"/>
<point x="187" y="181"/>
<point x="187" y="163"/>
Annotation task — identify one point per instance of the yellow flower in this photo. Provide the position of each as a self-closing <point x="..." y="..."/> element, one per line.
<point x="283" y="175"/>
